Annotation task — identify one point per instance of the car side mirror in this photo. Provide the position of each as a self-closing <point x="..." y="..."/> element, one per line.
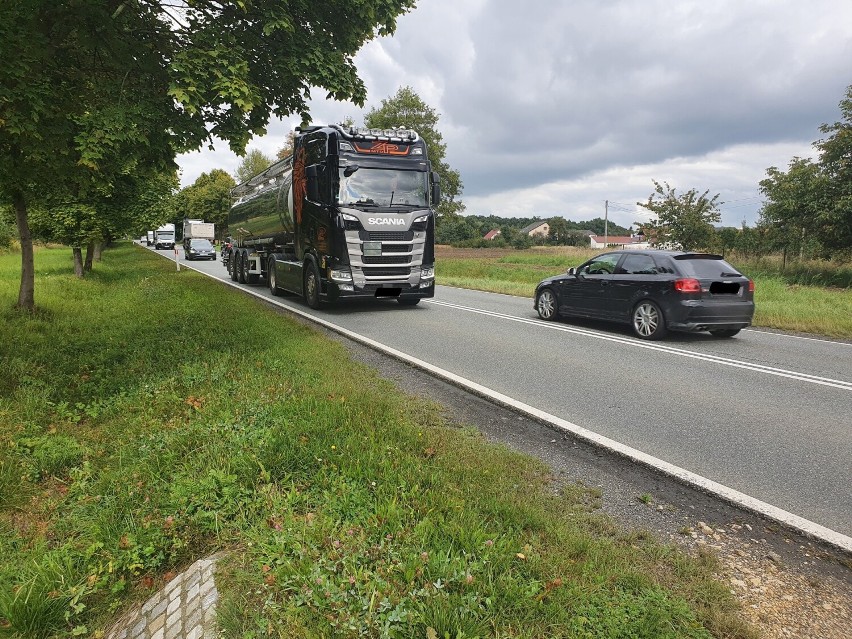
<point x="572" y="271"/>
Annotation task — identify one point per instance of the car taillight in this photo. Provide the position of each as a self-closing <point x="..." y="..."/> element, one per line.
<point x="751" y="286"/>
<point x="687" y="285"/>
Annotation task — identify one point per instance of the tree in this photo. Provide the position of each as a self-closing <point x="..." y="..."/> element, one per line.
<point x="836" y="162"/>
<point x="90" y="90"/>
<point x="812" y="201"/>
<point x="208" y="198"/>
<point x="406" y="109"/>
<point x="795" y="203"/>
<point x="254" y="162"/>
<point x="287" y="150"/>
<point x="685" y="220"/>
<point x="559" y="230"/>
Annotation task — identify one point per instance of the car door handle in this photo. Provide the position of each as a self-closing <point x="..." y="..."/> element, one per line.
<point x="604" y="282"/>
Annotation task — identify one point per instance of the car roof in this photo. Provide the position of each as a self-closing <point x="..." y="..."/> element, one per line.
<point x="665" y="253"/>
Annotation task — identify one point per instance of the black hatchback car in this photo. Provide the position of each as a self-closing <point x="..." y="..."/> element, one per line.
<point x="654" y="292"/>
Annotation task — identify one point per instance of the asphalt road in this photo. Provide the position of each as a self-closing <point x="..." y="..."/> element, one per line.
<point x="764" y="413"/>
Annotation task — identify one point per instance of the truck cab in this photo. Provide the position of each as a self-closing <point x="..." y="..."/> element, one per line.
<point x="349" y="214"/>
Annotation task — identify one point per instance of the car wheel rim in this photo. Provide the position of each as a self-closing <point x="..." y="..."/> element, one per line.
<point x="546" y="305"/>
<point x="646" y="320"/>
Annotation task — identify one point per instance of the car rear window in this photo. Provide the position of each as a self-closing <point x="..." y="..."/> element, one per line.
<point x="708" y="266"/>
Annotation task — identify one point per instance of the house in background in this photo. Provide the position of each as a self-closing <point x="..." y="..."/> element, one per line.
<point x="491" y="234"/>
<point x="537" y="229"/>
<point x="619" y="241"/>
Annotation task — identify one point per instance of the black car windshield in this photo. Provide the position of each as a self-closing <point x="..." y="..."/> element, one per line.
<point x="706" y="268"/>
<point x="383" y="187"/>
<point x="201" y="244"/>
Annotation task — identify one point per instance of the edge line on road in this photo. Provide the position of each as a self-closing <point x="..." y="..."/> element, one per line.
<point x="746" y="502"/>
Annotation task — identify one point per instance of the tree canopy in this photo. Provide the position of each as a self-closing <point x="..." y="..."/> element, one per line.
<point x="208" y="198"/>
<point x="91" y="90"/>
<point x="813" y="200"/>
<point x="254" y="162"/>
<point x="685" y="220"/>
<point x="406" y="109"/>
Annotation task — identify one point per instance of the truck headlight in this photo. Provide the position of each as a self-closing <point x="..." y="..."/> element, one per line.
<point x="340" y="274"/>
<point x="419" y="223"/>
<point x="427" y="273"/>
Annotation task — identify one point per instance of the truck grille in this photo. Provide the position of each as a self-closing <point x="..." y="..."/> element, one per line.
<point x="387" y="259"/>
<point x="386" y="236"/>
<point x="374" y="272"/>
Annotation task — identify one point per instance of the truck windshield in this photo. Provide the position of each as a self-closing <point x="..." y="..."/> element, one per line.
<point x="383" y="187"/>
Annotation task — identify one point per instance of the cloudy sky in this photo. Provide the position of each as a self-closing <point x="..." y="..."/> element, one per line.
<point x="552" y="107"/>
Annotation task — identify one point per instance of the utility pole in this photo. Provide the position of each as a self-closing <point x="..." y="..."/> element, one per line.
<point x="606" y="223"/>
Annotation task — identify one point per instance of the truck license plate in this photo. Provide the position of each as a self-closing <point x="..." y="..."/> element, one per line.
<point x="372" y="249"/>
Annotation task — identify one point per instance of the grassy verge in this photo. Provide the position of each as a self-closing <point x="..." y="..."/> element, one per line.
<point x="149" y="418"/>
<point x="782" y="300"/>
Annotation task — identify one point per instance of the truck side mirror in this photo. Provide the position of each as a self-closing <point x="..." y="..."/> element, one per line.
<point x="313" y="184"/>
<point x="436" y="189"/>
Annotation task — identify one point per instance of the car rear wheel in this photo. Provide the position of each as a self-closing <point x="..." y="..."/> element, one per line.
<point x="546" y="305"/>
<point x="724" y="332"/>
<point x="648" y="321"/>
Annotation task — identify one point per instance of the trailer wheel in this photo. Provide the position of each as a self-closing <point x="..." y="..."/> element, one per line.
<point x="232" y="265"/>
<point x="272" y="278"/>
<point x="238" y="267"/>
<point x="312" y="286"/>
<point x="250" y="278"/>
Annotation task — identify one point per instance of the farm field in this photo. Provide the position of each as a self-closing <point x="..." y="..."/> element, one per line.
<point x="780" y="303"/>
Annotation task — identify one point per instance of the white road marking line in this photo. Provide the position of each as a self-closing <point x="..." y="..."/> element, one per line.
<point x="760" y="368"/>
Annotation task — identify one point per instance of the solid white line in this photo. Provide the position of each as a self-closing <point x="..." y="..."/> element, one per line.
<point x="760" y="368"/>
<point x="804" y="526"/>
<point x="751" y="329"/>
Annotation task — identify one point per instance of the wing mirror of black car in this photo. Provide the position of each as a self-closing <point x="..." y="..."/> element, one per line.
<point x="572" y="271"/>
<point x="349" y="170"/>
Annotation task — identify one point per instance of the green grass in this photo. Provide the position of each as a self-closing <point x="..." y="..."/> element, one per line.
<point x="803" y="298"/>
<point x="149" y="418"/>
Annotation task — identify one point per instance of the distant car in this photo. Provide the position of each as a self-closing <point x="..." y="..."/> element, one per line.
<point x="199" y="249"/>
<point x="654" y="292"/>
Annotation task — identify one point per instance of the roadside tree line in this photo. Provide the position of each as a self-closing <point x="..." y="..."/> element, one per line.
<point x="98" y="98"/>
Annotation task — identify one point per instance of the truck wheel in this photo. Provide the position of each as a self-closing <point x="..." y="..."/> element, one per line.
<point x="312" y="286"/>
<point x="238" y="267"/>
<point x="272" y="278"/>
<point x="232" y="265"/>
<point x="250" y="278"/>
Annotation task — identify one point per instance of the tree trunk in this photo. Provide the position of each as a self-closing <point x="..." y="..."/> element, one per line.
<point x="99" y="248"/>
<point x="26" y="294"/>
<point x="90" y="252"/>
<point x="78" y="261"/>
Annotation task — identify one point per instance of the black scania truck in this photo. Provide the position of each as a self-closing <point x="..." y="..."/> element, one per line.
<point x="349" y="214"/>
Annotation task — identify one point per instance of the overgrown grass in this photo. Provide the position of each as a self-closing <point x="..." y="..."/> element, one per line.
<point x="802" y="297"/>
<point x="149" y="418"/>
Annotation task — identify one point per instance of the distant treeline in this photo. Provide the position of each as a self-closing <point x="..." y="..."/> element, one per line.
<point x="470" y="230"/>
